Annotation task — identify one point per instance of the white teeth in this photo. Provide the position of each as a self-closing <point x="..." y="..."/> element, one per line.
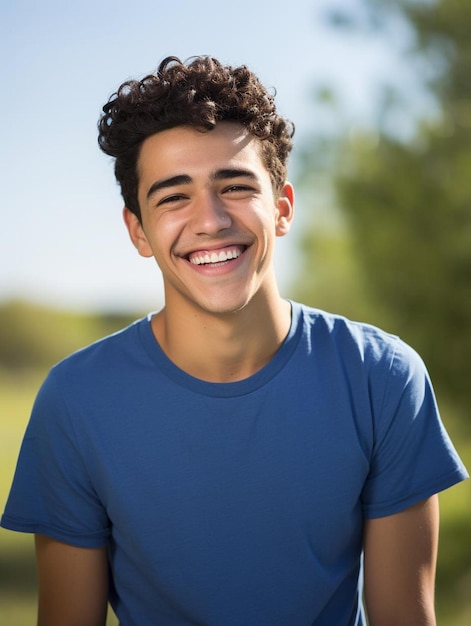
<point x="215" y="257"/>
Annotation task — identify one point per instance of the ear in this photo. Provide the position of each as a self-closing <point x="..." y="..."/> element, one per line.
<point x="284" y="210"/>
<point x="136" y="233"/>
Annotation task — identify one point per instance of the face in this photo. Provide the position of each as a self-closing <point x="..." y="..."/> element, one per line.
<point x="209" y="216"/>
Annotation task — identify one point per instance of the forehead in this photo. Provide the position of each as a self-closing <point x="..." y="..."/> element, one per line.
<point x="184" y="149"/>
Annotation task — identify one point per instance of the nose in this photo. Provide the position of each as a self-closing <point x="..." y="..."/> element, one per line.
<point x="209" y="215"/>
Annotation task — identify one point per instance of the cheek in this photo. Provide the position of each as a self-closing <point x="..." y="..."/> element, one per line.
<point x="166" y="233"/>
<point x="265" y="219"/>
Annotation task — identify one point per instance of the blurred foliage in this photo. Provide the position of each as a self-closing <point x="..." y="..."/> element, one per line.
<point x="32" y="336"/>
<point x="402" y="256"/>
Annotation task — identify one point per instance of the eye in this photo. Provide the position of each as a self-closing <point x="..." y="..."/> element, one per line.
<point x="238" y="188"/>
<point x="171" y="199"/>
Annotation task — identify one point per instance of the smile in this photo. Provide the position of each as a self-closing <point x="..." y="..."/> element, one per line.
<point x="205" y="257"/>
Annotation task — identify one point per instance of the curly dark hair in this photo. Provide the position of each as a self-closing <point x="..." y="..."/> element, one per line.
<point x="200" y="94"/>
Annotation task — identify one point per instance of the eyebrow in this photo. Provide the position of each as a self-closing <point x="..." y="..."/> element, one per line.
<point x="223" y="174"/>
<point x="184" y="179"/>
<point x="181" y="179"/>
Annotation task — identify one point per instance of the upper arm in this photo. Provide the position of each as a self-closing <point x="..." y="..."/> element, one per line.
<point x="400" y="554"/>
<point x="72" y="584"/>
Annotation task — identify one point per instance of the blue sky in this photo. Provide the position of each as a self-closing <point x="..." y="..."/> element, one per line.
<point x="63" y="242"/>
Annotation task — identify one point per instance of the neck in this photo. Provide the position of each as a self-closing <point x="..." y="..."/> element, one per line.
<point x="223" y="347"/>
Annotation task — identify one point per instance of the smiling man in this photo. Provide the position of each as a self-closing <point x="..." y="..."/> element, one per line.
<point x="234" y="459"/>
<point x="209" y="215"/>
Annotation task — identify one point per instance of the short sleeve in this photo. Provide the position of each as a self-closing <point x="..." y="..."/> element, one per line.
<point x="413" y="457"/>
<point x="52" y="493"/>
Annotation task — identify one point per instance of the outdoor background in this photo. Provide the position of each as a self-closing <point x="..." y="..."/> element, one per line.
<point x="379" y="91"/>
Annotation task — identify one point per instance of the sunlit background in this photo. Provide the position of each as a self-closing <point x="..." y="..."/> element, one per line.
<point x="62" y="240"/>
<point x="381" y="165"/>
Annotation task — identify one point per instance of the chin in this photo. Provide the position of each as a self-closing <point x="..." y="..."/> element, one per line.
<point x="225" y="307"/>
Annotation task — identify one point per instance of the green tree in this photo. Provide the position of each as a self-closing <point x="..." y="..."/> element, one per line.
<point x="404" y="200"/>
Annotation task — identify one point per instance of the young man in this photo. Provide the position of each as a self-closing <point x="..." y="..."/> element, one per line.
<point x="235" y="459"/>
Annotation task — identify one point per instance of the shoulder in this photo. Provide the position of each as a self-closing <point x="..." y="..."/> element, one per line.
<point x="96" y="367"/>
<point x="84" y="389"/>
<point x="372" y="359"/>
<point x="349" y="337"/>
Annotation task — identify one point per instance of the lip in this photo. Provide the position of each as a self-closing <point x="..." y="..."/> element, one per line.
<point x="222" y="245"/>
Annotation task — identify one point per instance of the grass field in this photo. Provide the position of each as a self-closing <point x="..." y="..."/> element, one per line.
<point x="17" y="572"/>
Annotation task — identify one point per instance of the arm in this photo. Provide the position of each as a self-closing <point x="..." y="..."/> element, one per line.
<point x="400" y="553"/>
<point x="73" y="584"/>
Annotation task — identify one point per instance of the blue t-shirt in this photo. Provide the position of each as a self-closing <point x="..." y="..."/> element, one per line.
<point x="235" y="504"/>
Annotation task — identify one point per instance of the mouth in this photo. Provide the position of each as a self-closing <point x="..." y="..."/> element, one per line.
<point x="216" y="257"/>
